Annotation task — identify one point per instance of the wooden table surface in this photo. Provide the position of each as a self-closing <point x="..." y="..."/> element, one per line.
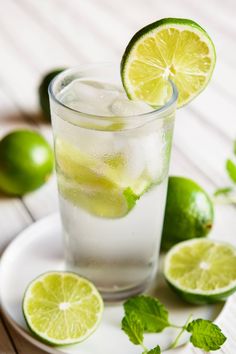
<point x="37" y="36"/>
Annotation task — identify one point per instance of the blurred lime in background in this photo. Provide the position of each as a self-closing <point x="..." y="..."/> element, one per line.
<point x="43" y="92"/>
<point x="26" y="162"/>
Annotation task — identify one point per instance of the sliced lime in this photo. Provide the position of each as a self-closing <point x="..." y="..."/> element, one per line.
<point x="173" y="48"/>
<point x="201" y="270"/>
<point x="94" y="184"/>
<point x="62" y="308"/>
<point x="111" y="202"/>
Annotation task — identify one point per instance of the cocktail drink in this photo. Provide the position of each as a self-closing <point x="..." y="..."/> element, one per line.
<point x="112" y="160"/>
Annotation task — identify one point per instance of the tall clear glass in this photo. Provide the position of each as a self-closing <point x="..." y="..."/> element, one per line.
<point x="112" y="171"/>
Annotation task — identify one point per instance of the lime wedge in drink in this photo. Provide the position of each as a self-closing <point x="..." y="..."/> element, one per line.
<point x="95" y="184"/>
<point x="201" y="270"/>
<point x="62" y="308"/>
<point x="171" y="48"/>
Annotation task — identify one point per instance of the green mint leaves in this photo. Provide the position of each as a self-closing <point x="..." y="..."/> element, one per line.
<point x="227" y="195"/>
<point x="133" y="327"/>
<point x="223" y="191"/>
<point x="205" y="335"/>
<point x="231" y="169"/>
<point x="156" y="350"/>
<point x="148" y="314"/>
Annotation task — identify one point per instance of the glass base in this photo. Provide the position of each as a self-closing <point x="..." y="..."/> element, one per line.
<point x="121" y="295"/>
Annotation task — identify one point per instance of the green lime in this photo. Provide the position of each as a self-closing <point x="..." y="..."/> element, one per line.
<point x="62" y="308"/>
<point x="201" y="270"/>
<point x="43" y="92"/>
<point x="26" y="162"/>
<point x="99" y="185"/>
<point x="189" y="212"/>
<point x="178" y="49"/>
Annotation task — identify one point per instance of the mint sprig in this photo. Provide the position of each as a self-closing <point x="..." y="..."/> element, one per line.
<point x="148" y="314"/>
<point x="227" y="195"/>
<point x="205" y="335"/>
<point x="156" y="350"/>
<point x="223" y="191"/>
<point x="150" y="311"/>
<point x="231" y="169"/>
<point x="133" y="327"/>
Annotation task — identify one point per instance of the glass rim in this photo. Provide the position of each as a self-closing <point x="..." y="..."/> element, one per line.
<point x="158" y="111"/>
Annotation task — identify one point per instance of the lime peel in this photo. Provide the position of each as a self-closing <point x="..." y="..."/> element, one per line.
<point x="199" y="270"/>
<point x="62" y="308"/>
<point x="167" y="49"/>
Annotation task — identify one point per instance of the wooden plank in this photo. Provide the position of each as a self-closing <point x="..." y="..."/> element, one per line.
<point x="73" y="27"/>
<point x="6" y="346"/>
<point x="22" y="345"/>
<point x="51" y="47"/>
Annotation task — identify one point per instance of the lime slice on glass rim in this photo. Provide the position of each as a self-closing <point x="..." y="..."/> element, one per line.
<point x="62" y="308"/>
<point x="201" y="270"/>
<point x="171" y="48"/>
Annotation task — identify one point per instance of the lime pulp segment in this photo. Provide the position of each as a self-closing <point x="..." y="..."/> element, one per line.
<point x="202" y="267"/>
<point x="62" y="308"/>
<point x="176" y="49"/>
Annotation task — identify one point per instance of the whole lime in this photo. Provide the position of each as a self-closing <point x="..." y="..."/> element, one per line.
<point x="189" y="212"/>
<point x="26" y="162"/>
<point x="43" y="92"/>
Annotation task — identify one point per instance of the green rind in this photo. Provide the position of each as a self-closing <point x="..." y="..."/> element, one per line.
<point x="198" y="299"/>
<point x="157" y="24"/>
<point x="51" y="342"/>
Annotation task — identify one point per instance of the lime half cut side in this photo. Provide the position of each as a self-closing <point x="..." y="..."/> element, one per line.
<point x="171" y="48"/>
<point x="201" y="270"/>
<point x="62" y="308"/>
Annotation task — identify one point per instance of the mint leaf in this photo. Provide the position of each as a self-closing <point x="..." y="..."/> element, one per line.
<point x="130" y="197"/>
<point x="132" y="326"/>
<point x="155" y="350"/>
<point x="205" y="335"/>
<point x="231" y="169"/>
<point x="150" y="311"/>
<point x="223" y="191"/>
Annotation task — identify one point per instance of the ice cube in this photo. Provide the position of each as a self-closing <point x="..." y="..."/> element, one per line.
<point x="89" y="96"/>
<point x="155" y="155"/>
<point x="122" y="106"/>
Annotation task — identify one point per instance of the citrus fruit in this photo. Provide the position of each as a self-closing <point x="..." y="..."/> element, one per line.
<point x="62" y="308"/>
<point x="43" y="92"/>
<point x="189" y="212"/>
<point x="171" y="48"/>
<point x="26" y="162"/>
<point x="97" y="184"/>
<point x="201" y="270"/>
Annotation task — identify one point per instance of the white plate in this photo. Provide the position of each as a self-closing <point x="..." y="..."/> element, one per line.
<point x="39" y="249"/>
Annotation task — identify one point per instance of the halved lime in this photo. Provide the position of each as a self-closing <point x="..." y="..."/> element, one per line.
<point x="201" y="270"/>
<point x="171" y="48"/>
<point x="62" y="308"/>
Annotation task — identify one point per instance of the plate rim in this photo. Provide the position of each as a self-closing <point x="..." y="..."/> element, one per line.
<point x="20" y="237"/>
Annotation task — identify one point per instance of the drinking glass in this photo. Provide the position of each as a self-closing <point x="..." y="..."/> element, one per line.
<point x="112" y="170"/>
